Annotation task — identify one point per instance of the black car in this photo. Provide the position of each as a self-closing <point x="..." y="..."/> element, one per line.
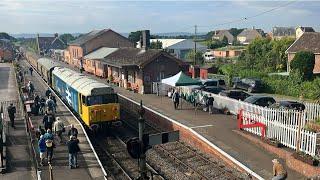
<point x="235" y="94"/>
<point x="214" y="90"/>
<point x="249" y="84"/>
<point x="289" y="105"/>
<point x="264" y="101"/>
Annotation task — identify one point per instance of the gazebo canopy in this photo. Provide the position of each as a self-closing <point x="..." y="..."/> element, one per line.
<point x="180" y="79"/>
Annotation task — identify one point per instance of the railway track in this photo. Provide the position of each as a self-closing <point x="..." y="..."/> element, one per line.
<point x="176" y="160"/>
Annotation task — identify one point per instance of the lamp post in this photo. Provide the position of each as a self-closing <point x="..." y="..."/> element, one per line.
<point x="142" y="159"/>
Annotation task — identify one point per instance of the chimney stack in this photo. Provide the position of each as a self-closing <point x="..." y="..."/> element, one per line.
<point x="145" y="39"/>
<point x="56" y="35"/>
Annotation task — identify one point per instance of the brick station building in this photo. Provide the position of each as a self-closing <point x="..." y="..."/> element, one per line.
<point x="92" y="41"/>
<point x="135" y="69"/>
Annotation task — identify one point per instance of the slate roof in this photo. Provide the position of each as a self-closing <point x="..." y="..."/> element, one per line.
<point x="309" y="41"/>
<point x="251" y="34"/>
<point x="306" y="29"/>
<point x="91" y="35"/>
<point x="100" y="53"/>
<point x="45" y="42"/>
<point x="283" y="31"/>
<point x="224" y="33"/>
<point x="135" y="57"/>
<point x="57" y="43"/>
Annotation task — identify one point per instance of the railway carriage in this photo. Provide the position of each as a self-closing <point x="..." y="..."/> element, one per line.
<point x="94" y="102"/>
<point x="45" y="68"/>
<point x="32" y="58"/>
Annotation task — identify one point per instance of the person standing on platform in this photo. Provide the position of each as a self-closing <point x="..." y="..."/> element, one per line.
<point x="49" y="144"/>
<point x="47" y="121"/>
<point x="30" y="88"/>
<point x="210" y="103"/>
<point x="11" y="113"/>
<point x="48" y="92"/>
<point x="58" y="128"/>
<point x="279" y="173"/>
<point x="50" y="105"/>
<point x="31" y="70"/>
<point x="42" y="148"/>
<point x="73" y="149"/>
<point x="42" y="105"/>
<point x="73" y="131"/>
<point x="175" y="99"/>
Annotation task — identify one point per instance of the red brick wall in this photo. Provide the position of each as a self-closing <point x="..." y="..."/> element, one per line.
<point x="151" y="72"/>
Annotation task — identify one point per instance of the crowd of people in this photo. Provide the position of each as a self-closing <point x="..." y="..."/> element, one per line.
<point x="54" y="128"/>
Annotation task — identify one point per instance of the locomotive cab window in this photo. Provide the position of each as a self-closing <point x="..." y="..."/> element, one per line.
<point x="101" y="99"/>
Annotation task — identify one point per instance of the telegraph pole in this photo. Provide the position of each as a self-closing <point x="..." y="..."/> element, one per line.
<point x="195" y="44"/>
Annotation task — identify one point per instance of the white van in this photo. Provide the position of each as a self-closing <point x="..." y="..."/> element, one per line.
<point x="208" y="56"/>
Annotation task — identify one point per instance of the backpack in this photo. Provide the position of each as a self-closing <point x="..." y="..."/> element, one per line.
<point x="49" y="143"/>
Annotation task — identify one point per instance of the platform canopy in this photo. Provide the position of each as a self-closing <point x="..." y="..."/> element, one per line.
<point x="180" y="79"/>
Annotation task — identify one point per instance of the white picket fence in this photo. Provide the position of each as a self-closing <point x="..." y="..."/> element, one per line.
<point x="286" y="132"/>
<point x="282" y="125"/>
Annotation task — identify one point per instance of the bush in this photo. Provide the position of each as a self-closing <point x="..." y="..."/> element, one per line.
<point x="303" y="61"/>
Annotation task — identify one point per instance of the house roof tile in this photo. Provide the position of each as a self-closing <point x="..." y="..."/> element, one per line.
<point x="309" y="41"/>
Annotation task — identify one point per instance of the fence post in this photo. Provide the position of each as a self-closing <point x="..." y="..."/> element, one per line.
<point x="299" y="132"/>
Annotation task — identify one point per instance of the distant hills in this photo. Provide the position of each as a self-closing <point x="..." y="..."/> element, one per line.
<point x="168" y="34"/>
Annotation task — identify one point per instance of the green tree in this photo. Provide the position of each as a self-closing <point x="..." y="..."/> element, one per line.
<point x="4" y="35"/>
<point x="224" y="41"/>
<point x="191" y="56"/>
<point x="156" y="45"/>
<point x="235" y="32"/>
<point x="214" y="44"/>
<point x="66" y="38"/>
<point x="303" y="62"/>
<point x="135" y="36"/>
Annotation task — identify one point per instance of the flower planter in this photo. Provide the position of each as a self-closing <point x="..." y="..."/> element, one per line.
<point x="306" y="158"/>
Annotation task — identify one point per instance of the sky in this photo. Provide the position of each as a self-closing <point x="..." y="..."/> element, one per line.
<point x="79" y="16"/>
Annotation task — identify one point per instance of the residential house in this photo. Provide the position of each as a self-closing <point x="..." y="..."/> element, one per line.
<point x="309" y="41"/>
<point x="281" y="32"/>
<point x="46" y="45"/>
<point x="179" y="47"/>
<point x="228" y="51"/>
<point x="248" y="35"/>
<point x="300" y="30"/>
<point x="220" y="34"/>
<point x="91" y="41"/>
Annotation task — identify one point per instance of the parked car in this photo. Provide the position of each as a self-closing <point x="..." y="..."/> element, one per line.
<point x="214" y="90"/>
<point x="289" y="105"/>
<point x="213" y="83"/>
<point x="249" y="84"/>
<point x="208" y="56"/>
<point x="264" y="101"/>
<point x="235" y="94"/>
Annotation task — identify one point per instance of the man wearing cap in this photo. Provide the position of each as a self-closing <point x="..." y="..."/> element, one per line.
<point x="58" y="128"/>
<point x="279" y="173"/>
<point x="73" y="149"/>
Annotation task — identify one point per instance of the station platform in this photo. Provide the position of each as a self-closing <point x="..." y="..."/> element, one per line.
<point x="88" y="165"/>
<point x="219" y="129"/>
<point x="17" y="159"/>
